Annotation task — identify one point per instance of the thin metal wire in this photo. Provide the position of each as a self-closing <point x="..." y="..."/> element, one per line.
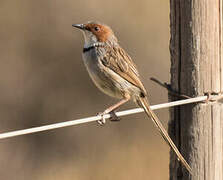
<point x="96" y="118"/>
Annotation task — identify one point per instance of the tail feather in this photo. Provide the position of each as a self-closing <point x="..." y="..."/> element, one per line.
<point x="145" y="105"/>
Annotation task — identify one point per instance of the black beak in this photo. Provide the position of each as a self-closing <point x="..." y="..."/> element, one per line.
<point x="79" y="26"/>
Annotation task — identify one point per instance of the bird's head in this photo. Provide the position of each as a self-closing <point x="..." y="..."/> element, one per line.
<point x="96" y="33"/>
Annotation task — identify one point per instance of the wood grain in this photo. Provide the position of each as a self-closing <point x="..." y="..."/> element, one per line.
<point x="196" y="63"/>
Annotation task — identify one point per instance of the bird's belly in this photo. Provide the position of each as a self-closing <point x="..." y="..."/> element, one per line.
<point x="106" y="80"/>
<point x="102" y="81"/>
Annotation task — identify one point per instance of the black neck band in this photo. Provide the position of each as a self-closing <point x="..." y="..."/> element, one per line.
<point x="88" y="49"/>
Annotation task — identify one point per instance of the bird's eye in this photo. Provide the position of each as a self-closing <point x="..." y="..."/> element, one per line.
<point x="96" y="28"/>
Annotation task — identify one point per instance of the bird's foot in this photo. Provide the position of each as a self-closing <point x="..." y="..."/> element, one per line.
<point x="114" y="117"/>
<point x="102" y="121"/>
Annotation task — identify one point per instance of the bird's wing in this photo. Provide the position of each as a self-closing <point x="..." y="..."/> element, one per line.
<point x="121" y="63"/>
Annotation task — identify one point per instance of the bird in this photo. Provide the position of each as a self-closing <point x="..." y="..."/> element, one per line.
<point x="114" y="73"/>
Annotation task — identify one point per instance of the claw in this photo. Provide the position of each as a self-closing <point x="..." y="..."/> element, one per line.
<point x="114" y="117"/>
<point x="103" y="120"/>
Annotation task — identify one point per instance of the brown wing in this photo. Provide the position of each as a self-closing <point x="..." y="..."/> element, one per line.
<point x="121" y="63"/>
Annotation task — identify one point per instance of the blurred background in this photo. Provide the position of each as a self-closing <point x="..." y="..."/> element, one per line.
<point x="43" y="81"/>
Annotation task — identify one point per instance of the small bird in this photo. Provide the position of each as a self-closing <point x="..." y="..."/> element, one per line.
<point x="114" y="73"/>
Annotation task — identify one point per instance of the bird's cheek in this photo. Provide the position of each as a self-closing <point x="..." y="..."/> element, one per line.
<point x="89" y="37"/>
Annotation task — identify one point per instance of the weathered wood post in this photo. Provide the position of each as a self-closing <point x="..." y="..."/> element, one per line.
<point x="196" y="69"/>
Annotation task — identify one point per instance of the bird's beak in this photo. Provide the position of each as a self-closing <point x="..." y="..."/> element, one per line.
<point x="79" y="26"/>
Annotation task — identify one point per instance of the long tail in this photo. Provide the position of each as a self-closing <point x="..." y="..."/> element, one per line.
<point x="145" y="105"/>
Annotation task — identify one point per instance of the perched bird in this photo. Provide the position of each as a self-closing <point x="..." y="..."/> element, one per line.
<point x="114" y="73"/>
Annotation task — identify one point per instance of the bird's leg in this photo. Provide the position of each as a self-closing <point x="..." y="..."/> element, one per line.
<point x="111" y="109"/>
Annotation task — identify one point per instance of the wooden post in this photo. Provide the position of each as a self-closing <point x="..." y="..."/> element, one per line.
<point x="196" y="69"/>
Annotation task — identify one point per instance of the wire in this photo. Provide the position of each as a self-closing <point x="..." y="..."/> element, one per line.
<point x="96" y="118"/>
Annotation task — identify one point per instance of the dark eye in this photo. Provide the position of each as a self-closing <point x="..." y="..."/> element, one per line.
<point x="96" y="28"/>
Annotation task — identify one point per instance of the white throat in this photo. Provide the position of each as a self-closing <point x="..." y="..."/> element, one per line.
<point x="89" y="39"/>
